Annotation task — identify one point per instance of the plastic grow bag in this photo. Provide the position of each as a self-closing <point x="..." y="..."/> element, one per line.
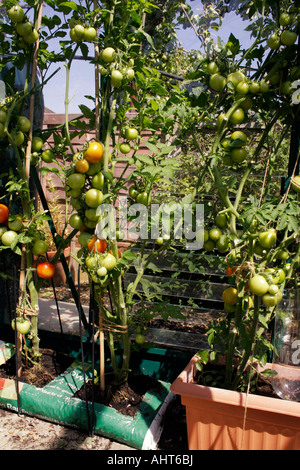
<point x="56" y="402"/>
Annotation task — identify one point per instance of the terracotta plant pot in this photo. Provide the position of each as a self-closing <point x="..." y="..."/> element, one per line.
<point x="216" y="418"/>
<point x="59" y="277"/>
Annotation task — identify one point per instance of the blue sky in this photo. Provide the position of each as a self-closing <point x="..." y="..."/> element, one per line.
<point x="82" y="76"/>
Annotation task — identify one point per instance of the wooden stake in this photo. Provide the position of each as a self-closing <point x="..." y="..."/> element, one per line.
<point x="97" y="85"/>
<point x="102" y="357"/>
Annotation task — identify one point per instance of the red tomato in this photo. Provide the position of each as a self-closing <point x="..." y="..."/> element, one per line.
<point x="4" y="212"/>
<point x="45" y="270"/>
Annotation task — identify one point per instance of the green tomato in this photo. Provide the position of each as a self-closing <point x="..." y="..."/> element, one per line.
<point x="76" y="181"/>
<point x="98" y="180"/>
<point x="229" y="295"/>
<point x="288" y="38"/>
<point x="285" y="19"/>
<point x="107" y="55"/>
<point x="273" y="289"/>
<point x="270" y="300"/>
<point x="242" y="88"/>
<point x="238" y="155"/>
<point x="130" y="74"/>
<point x="239" y="138"/>
<point x="116" y="78"/>
<point x="2" y="116"/>
<point x="91" y="262"/>
<point x="274" y="79"/>
<point x="267" y="239"/>
<point x="74" y="193"/>
<point x="75" y="203"/>
<point x="295" y="183"/>
<point x="238" y="116"/>
<point x="8" y="237"/>
<point x="274" y="42"/>
<point x="143" y="198"/>
<point x="15" y="224"/>
<point x="31" y="37"/>
<point x="102" y="271"/>
<point x="283" y="255"/>
<point x="48" y="156"/>
<point x="212" y="68"/>
<point x="215" y="234"/>
<point x="109" y="262"/>
<point x="254" y="88"/>
<point x="16" y="137"/>
<point x="131" y="133"/>
<point x="209" y="245"/>
<point x="24" y="123"/>
<point x="236" y="78"/>
<point x="258" y="285"/>
<point x="125" y="148"/>
<point x="94" y="168"/>
<point x="286" y="88"/>
<point x="93" y="197"/>
<point x="217" y="82"/>
<point x="281" y="275"/>
<point x="91" y="224"/>
<point x="23" y="326"/>
<point x="24" y="28"/>
<point x="16" y="14"/>
<point x="229" y="308"/>
<point x="263" y="86"/>
<point x="89" y="34"/>
<point x="37" y="144"/>
<point x="40" y="247"/>
<point x="223" y="244"/>
<point x="133" y="192"/>
<point x="221" y="221"/>
<point x="76" y="221"/>
<point x="91" y="214"/>
<point x="139" y="338"/>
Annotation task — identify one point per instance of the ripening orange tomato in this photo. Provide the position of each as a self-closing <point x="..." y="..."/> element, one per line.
<point x="82" y="166"/>
<point x="94" y="152"/>
<point x="97" y="244"/>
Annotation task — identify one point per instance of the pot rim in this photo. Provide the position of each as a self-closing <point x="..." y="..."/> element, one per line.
<point x="184" y="385"/>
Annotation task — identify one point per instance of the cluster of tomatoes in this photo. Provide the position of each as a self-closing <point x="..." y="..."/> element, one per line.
<point x="216" y="237"/>
<point x="278" y="80"/>
<point x="15" y="130"/>
<point x="84" y="187"/>
<point x="266" y="283"/>
<point x="81" y="32"/>
<point x="26" y="33"/>
<point x="286" y="35"/>
<point x="113" y="65"/>
<point x="11" y="225"/>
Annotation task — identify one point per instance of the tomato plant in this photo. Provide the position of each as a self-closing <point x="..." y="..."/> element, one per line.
<point x="257" y="235"/>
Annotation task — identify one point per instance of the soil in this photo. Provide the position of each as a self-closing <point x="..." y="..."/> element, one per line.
<point x="261" y="386"/>
<point x="125" y="398"/>
<point x="51" y="364"/>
